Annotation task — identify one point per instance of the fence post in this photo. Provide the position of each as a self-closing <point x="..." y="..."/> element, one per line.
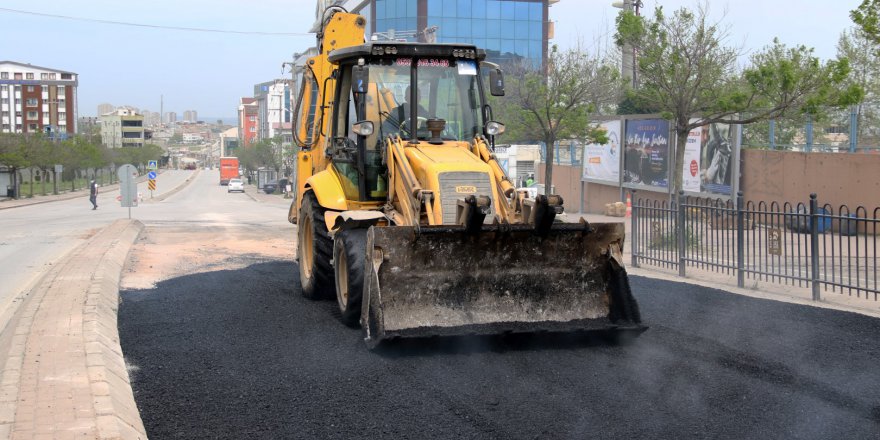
<point x="814" y="245"/>
<point x="853" y="128"/>
<point x="809" y="129"/>
<point x="740" y="241"/>
<point x="679" y="231"/>
<point x="634" y="228"/>
<point x="772" y="134"/>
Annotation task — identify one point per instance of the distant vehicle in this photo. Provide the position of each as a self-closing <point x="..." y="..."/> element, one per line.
<point x="190" y="166"/>
<point x="235" y="185"/>
<point x="270" y="186"/>
<point x="228" y="169"/>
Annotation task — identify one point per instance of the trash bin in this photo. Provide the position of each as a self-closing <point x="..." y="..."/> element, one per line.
<point x="10" y="191"/>
<point x="849" y="226"/>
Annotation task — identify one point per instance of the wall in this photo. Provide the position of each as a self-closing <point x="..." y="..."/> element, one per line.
<point x="837" y="178"/>
<point x="769" y="176"/>
<point x="567" y="180"/>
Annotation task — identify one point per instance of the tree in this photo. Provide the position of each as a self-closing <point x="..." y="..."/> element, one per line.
<point x="867" y="16"/>
<point x="864" y="61"/>
<point x="14" y="154"/>
<point x="558" y="106"/>
<point x="687" y="72"/>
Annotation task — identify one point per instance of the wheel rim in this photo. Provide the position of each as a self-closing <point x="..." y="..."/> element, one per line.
<point x="341" y="264"/>
<point x="306" y="247"/>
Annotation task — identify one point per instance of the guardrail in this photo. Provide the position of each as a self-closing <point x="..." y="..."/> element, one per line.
<point x="796" y="244"/>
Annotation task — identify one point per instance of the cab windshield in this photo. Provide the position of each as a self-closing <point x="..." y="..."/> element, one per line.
<point x="447" y="89"/>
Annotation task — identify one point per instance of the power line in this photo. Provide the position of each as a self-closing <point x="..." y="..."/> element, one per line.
<point x="154" y="26"/>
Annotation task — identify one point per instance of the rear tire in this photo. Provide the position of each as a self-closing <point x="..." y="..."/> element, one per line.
<point x="314" y="248"/>
<point x="349" y="252"/>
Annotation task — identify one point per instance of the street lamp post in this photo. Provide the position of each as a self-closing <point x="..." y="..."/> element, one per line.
<point x="628" y="56"/>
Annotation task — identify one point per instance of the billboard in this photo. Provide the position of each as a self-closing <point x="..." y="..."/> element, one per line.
<point x="602" y="161"/>
<point x="646" y="153"/>
<point x="708" y="160"/>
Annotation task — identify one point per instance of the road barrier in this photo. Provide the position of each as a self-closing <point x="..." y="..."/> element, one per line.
<point x="804" y="244"/>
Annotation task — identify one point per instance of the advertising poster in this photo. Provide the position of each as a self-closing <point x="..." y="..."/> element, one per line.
<point x="646" y="152"/>
<point x="602" y="162"/>
<point x="692" y="173"/>
<point x="714" y="159"/>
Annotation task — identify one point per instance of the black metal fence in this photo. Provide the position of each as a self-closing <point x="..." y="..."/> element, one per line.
<point x="805" y="245"/>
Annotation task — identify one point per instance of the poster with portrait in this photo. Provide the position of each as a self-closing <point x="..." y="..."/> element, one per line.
<point x="646" y="153"/>
<point x="709" y="157"/>
<point x="602" y="161"/>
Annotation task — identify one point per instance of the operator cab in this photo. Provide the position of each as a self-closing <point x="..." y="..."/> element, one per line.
<point x="418" y="92"/>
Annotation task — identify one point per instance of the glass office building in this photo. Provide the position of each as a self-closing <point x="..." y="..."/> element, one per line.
<point x="509" y="30"/>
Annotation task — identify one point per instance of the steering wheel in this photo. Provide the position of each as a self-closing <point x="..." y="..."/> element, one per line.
<point x="421" y="123"/>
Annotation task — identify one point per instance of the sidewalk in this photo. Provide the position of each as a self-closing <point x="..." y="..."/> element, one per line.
<point x="7" y="203"/>
<point x="64" y="376"/>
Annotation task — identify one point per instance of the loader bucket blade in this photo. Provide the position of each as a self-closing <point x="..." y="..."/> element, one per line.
<point x="441" y="281"/>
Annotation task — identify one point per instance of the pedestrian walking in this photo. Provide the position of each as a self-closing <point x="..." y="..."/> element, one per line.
<point x="93" y="194"/>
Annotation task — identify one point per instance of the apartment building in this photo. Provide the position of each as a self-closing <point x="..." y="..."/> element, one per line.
<point x="122" y="128"/>
<point x="37" y="99"/>
<point x="248" y="121"/>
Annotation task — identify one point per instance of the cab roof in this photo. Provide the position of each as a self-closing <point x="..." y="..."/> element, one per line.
<point x="397" y="49"/>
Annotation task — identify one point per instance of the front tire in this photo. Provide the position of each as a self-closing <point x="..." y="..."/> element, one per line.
<point x="314" y="249"/>
<point x="349" y="252"/>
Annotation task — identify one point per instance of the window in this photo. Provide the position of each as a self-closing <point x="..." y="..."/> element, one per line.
<point x="29" y="75"/>
<point x="62" y="115"/>
<point x="252" y="118"/>
<point x="51" y="76"/>
<point x="17" y="101"/>
<point x="4" y="75"/>
<point x="18" y="75"/>
<point x="44" y="76"/>
<point x="60" y="90"/>
<point x="31" y="102"/>
<point x="30" y="89"/>
<point x="66" y="76"/>
<point x="32" y="115"/>
<point x="32" y="127"/>
<point x="61" y="102"/>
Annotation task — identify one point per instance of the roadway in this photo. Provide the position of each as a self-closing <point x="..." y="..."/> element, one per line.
<point x="220" y="344"/>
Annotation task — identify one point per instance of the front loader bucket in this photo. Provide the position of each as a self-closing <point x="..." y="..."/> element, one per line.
<point x="442" y="281"/>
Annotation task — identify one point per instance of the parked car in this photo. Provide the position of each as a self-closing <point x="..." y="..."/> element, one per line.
<point x="270" y="186"/>
<point x="235" y="185"/>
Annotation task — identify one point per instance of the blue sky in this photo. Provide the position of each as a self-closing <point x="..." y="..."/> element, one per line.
<point x="208" y="72"/>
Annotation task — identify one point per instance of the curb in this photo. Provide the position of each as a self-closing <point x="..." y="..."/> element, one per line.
<point x="17" y="203"/>
<point x="65" y="375"/>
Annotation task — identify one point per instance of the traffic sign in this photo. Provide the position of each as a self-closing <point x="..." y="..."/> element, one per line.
<point x="151" y="184"/>
<point x="152" y="165"/>
<point x="128" y="185"/>
<point x="151" y="175"/>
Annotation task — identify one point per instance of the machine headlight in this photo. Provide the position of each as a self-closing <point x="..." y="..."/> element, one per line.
<point x="494" y="128"/>
<point x="362" y="128"/>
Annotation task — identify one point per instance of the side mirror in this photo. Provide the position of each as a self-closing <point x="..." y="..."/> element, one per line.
<point x="496" y="82"/>
<point x="360" y="79"/>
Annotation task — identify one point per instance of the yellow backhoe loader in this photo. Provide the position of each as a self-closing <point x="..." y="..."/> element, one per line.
<point x="405" y="215"/>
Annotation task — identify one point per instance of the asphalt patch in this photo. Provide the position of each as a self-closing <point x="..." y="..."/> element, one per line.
<point x="240" y="354"/>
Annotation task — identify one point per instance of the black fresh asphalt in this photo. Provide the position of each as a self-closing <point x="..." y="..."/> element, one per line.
<point x="241" y="355"/>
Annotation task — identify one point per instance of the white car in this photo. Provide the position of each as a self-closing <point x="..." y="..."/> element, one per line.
<point x="235" y="185"/>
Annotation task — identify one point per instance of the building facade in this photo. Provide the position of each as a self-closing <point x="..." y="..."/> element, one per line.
<point x="37" y="99"/>
<point x="105" y="108"/>
<point x="248" y="121"/>
<point x="273" y="102"/>
<point x="122" y="128"/>
<point x="509" y="30"/>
